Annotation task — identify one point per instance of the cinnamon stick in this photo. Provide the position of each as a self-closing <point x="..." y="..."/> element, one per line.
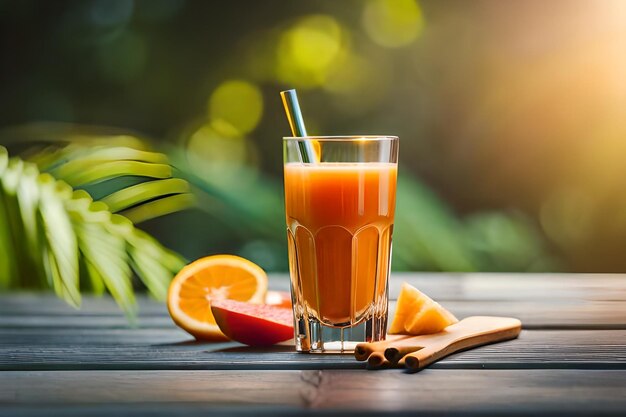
<point x="394" y="353"/>
<point x="416" y="352"/>
<point x="363" y="350"/>
<point x="377" y="361"/>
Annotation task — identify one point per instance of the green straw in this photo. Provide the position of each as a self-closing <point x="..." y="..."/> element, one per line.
<point x="296" y="123"/>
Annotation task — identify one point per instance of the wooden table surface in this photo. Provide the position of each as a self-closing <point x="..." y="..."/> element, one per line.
<point x="570" y="358"/>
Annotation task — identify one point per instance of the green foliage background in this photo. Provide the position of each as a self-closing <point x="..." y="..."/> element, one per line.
<point x="54" y="234"/>
<point x="505" y="164"/>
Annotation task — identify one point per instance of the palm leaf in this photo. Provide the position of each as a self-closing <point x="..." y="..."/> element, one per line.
<point x="73" y="240"/>
<point x="124" y="177"/>
<point x="160" y="207"/>
<point x="111" y="165"/>
<point x="59" y="242"/>
<point x="94" y="171"/>
<point x="62" y="134"/>
<point x="253" y="205"/>
<point x="23" y="245"/>
<point x="7" y="253"/>
<point x="143" y="192"/>
<point x="106" y="259"/>
<point x="75" y="157"/>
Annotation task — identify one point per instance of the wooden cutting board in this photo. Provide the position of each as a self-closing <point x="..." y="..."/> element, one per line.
<point x="417" y="352"/>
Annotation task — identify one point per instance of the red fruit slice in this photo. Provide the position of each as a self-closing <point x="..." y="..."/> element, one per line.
<point x="253" y="324"/>
<point x="278" y="299"/>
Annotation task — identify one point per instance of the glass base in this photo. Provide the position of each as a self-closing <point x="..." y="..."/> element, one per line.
<point x="315" y="337"/>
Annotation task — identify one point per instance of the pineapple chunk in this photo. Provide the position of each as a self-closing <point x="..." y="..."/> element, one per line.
<point x="416" y="314"/>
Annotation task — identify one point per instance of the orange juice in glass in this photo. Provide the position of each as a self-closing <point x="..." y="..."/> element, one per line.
<point x="340" y="195"/>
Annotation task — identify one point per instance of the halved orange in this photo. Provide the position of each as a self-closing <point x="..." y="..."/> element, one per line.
<point x="213" y="277"/>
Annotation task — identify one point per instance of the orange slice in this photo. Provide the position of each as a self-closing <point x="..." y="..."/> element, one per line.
<point x="213" y="277"/>
<point x="416" y="314"/>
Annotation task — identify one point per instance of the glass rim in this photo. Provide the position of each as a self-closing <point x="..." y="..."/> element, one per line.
<point x="345" y="138"/>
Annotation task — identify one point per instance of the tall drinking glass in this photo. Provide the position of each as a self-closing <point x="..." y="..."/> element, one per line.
<point x="340" y="197"/>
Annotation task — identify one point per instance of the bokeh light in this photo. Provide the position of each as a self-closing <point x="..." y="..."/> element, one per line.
<point x="238" y="103"/>
<point x="308" y="50"/>
<point x="217" y="153"/>
<point x="393" y="23"/>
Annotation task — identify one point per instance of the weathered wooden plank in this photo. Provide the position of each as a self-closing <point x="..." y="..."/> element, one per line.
<point x="146" y="337"/>
<point x="215" y="387"/>
<point x="451" y="391"/>
<point x="80" y="321"/>
<point x="155" y="349"/>
<point x="165" y="409"/>
<point x="46" y="304"/>
<point x="440" y="286"/>
<point x="514" y="286"/>
<point x="482" y="391"/>
<point x="188" y="357"/>
<point x="548" y="314"/>
<point x="574" y="371"/>
<point x="538" y="314"/>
